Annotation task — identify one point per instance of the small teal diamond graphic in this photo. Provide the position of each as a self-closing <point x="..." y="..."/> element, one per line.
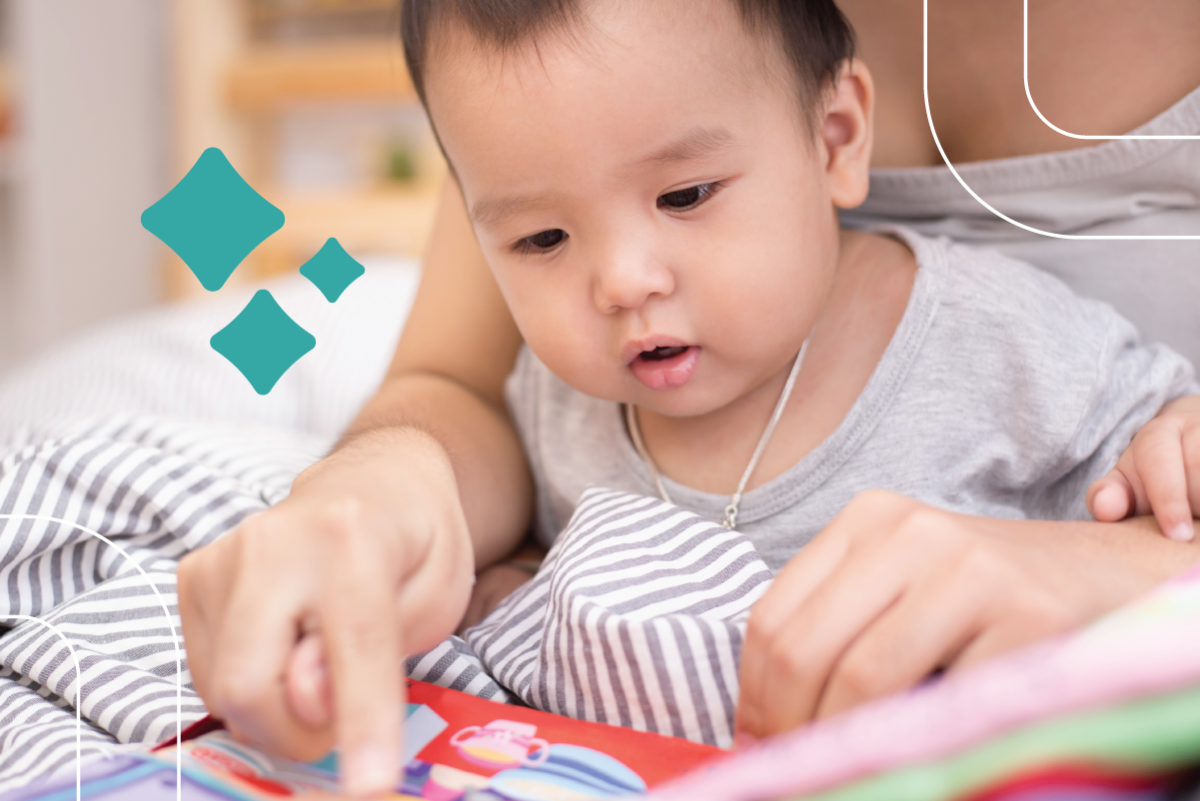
<point x="262" y="342"/>
<point x="212" y="219"/>
<point x="332" y="270"/>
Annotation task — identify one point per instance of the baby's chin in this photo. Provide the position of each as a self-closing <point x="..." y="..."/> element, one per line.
<point x="702" y="392"/>
<point x="696" y="400"/>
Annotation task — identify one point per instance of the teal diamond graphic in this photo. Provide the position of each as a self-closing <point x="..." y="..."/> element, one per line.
<point x="332" y="270"/>
<point x="212" y="219"/>
<point x="262" y="342"/>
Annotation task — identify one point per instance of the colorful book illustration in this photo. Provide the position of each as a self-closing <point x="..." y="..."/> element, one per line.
<point x="456" y="747"/>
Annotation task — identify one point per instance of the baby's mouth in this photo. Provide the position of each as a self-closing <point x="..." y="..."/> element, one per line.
<point x="658" y="354"/>
<point x="666" y="366"/>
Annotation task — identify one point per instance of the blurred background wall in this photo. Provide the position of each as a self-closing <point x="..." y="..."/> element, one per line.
<point x="86" y="152"/>
<point x="105" y="104"/>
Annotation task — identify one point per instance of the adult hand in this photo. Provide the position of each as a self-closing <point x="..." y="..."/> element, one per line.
<point x="371" y="553"/>
<point x="1158" y="474"/>
<point x="893" y="590"/>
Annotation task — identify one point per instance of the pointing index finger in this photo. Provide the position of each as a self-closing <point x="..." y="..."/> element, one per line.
<point x="359" y="625"/>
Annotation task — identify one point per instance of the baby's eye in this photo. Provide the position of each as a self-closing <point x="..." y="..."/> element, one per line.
<point x="544" y="240"/>
<point x="686" y="198"/>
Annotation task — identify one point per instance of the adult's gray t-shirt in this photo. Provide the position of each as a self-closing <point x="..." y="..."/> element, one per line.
<point x="1000" y="394"/>
<point x="1145" y="188"/>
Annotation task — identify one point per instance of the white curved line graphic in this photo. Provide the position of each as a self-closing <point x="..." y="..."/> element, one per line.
<point x="1056" y="129"/>
<point x="984" y="203"/>
<point x="79" y="676"/>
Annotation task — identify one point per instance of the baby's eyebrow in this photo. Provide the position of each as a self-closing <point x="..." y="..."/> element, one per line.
<point x="696" y="143"/>
<point x="489" y="211"/>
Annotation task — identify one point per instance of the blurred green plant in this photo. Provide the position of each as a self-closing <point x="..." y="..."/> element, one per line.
<point x="401" y="162"/>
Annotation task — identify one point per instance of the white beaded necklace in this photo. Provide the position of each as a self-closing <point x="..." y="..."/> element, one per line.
<point x="731" y="511"/>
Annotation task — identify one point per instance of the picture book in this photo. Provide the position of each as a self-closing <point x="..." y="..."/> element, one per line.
<point x="456" y="746"/>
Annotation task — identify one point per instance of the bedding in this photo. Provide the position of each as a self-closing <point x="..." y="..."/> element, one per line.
<point x="155" y="489"/>
<point x="159" y="362"/>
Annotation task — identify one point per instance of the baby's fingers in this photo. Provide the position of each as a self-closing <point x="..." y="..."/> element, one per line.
<point x="1159" y="460"/>
<point x="1112" y="498"/>
<point x="1191" y="464"/>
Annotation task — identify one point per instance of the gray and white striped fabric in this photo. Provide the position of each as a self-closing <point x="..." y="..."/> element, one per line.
<point x="155" y="489"/>
<point x="635" y="619"/>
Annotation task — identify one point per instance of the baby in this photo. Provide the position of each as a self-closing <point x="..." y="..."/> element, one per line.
<point x="655" y="186"/>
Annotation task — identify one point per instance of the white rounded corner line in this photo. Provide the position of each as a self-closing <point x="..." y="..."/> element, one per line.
<point x="79" y="674"/>
<point x="993" y="209"/>
<point x="1055" y="128"/>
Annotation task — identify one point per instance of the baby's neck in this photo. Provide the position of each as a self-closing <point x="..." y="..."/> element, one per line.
<point x="866" y="302"/>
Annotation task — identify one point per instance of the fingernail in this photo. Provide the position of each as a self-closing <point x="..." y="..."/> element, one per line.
<point x="1182" y="532"/>
<point x="368" y="769"/>
<point x="1110" y="500"/>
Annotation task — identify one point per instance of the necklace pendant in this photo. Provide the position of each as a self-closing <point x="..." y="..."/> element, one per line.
<point x="730" y="521"/>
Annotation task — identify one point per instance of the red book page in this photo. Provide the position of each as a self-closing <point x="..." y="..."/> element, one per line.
<point x="652" y="756"/>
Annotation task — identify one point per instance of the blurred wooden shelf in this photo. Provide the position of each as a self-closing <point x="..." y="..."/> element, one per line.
<point x="268" y="77"/>
<point x="383" y="221"/>
<point x="277" y="9"/>
<point x="299" y="19"/>
<point x="242" y="67"/>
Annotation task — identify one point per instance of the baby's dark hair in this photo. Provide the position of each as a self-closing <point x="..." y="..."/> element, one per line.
<point x="815" y="36"/>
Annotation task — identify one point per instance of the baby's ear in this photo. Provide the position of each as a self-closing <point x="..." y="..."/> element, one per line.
<point x="846" y="133"/>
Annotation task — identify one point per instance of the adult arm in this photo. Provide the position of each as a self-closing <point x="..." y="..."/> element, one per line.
<point x="447" y="378"/>
<point x="893" y="590"/>
<point x="373" y="554"/>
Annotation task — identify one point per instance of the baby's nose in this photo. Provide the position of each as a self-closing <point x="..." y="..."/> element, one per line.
<point x="628" y="281"/>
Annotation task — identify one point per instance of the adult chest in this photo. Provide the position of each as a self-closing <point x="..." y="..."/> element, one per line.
<point x="1103" y="68"/>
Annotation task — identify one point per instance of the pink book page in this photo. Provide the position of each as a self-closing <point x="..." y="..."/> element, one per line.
<point x="1148" y="647"/>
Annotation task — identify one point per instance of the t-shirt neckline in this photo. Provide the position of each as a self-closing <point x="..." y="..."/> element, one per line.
<point x="802" y="478"/>
<point x="1041" y="171"/>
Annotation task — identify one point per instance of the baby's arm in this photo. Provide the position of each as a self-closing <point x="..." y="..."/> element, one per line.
<point x="372" y="555"/>
<point x="1159" y="473"/>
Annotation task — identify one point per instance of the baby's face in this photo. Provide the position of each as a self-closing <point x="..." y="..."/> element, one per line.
<point x="655" y="210"/>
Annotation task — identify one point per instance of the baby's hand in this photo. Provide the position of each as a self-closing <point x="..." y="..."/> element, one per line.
<point x="1159" y="473"/>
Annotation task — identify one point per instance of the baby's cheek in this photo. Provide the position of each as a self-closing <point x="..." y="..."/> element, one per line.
<point x="579" y="361"/>
<point x="573" y="340"/>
